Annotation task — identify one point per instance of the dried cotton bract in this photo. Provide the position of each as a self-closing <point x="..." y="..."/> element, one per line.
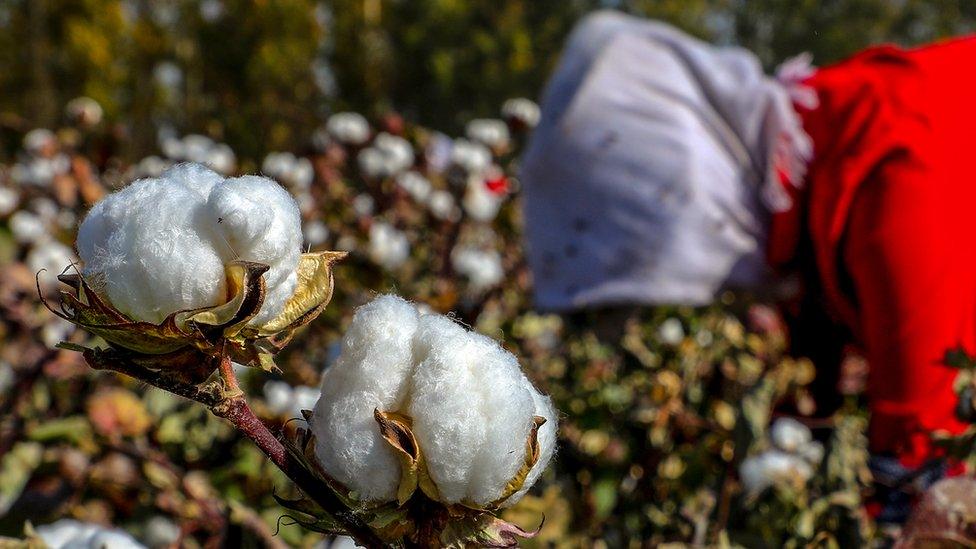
<point x="467" y="403"/>
<point x="161" y="245"/>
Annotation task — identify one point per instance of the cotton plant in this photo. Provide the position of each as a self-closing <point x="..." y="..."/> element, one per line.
<point x="791" y="461"/>
<point x="42" y="160"/>
<point x="419" y="412"/>
<point x="479" y="201"/>
<point x="186" y="274"/>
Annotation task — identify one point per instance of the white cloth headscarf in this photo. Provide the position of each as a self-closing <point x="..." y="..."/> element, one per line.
<point x="652" y="174"/>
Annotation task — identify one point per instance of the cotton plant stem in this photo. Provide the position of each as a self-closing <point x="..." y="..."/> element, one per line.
<point x="226" y="400"/>
<point x="235" y="409"/>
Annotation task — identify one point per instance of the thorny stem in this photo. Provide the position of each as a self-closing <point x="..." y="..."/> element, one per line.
<point x="226" y="400"/>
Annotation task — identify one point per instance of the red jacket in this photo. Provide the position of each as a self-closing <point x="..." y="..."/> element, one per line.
<point x="889" y="209"/>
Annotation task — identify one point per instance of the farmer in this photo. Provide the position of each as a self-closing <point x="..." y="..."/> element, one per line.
<point x="665" y="170"/>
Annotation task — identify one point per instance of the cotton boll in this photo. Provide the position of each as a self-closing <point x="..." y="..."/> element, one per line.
<point x="372" y="163"/>
<point x="472" y="407"/>
<point x="27" y="228"/>
<point x="472" y="157"/>
<point x="161" y="245"/>
<point x="316" y="233"/>
<point x="150" y="166"/>
<point x="221" y="158"/>
<point x="416" y="185"/>
<point x="813" y="452"/>
<point x="789" y="435"/>
<point x="304" y="399"/>
<point x="397" y="150"/>
<point x="370" y="373"/>
<point x="277" y="164"/>
<point x="773" y="467"/>
<point x="348" y="127"/>
<point x="113" y="539"/>
<point x="489" y="132"/>
<point x="438" y="152"/>
<point x="50" y="256"/>
<point x="483" y="269"/>
<point x="278" y="396"/>
<point x="442" y="206"/>
<point x="388" y="247"/>
<point x="72" y="534"/>
<point x="301" y="173"/>
<point x="522" y="110"/>
<point x="151" y="245"/>
<point x="671" y="332"/>
<point x="196" y="148"/>
<point x="84" y="111"/>
<point x="363" y="205"/>
<point x="40" y="141"/>
<point x="480" y="203"/>
<point x="161" y="532"/>
<point x="9" y="198"/>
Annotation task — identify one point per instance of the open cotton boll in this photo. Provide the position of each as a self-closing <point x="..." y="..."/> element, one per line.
<point x="161" y="245"/>
<point x="671" y="332"/>
<point x="471" y="406"/>
<point x="9" y="198"/>
<point x="277" y="164"/>
<point x="483" y="269"/>
<point x="39" y="141"/>
<point x="348" y="127"/>
<point x="773" y="467"/>
<point x="442" y="206"/>
<point x="84" y="111"/>
<point x="522" y="110"/>
<point x="489" y="132"/>
<point x="27" y="228"/>
<point x="51" y="256"/>
<point x="388" y="247"/>
<point x="789" y="435"/>
<point x="480" y="203"/>
<point x="473" y="157"/>
<point x="363" y="205"/>
<point x="372" y="163"/>
<point x="416" y="185"/>
<point x="398" y="151"/>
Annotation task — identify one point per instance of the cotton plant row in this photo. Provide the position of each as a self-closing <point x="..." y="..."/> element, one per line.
<point x="186" y="274"/>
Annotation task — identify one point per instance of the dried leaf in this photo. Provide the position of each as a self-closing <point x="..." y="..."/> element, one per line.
<point x="532" y="451"/>
<point x="312" y="293"/>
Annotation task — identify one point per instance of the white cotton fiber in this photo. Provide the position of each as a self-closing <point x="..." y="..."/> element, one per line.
<point x="482" y="268"/>
<point x="370" y="373"/>
<point x="52" y="257"/>
<point x="161" y="244"/>
<point x="27" y="227"/>
<point x="348" y="127"/>
<point x="72" y="534"/>
<point x="480" y="203"/>
<point x="789" y="435"/>
<point x="473" y="157"/>
<point x="471" y="405"/>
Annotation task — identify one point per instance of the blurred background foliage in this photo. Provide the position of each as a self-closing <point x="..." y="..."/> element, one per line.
<point x="260" y="74"/>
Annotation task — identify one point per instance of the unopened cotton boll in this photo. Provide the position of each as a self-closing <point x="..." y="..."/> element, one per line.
<point x="471" y="406"/>
<point x="472" y="157"/>
<point x="789" y="435"/>
<point x="348" y="127"/>
<point x="27" y="228"/>
<point x="773" y="467"/>
<point x="415" y="185"/>
<point x="483" y="269"/>
<point x="522" y="110"/>
<point x="161" y="244"/>
<point x="388" y="247"/>
<point x="489" y="132"/>
<point x="72" y="534"/>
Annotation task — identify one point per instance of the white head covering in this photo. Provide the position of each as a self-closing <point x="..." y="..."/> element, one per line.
<point x="651" y="176"/>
